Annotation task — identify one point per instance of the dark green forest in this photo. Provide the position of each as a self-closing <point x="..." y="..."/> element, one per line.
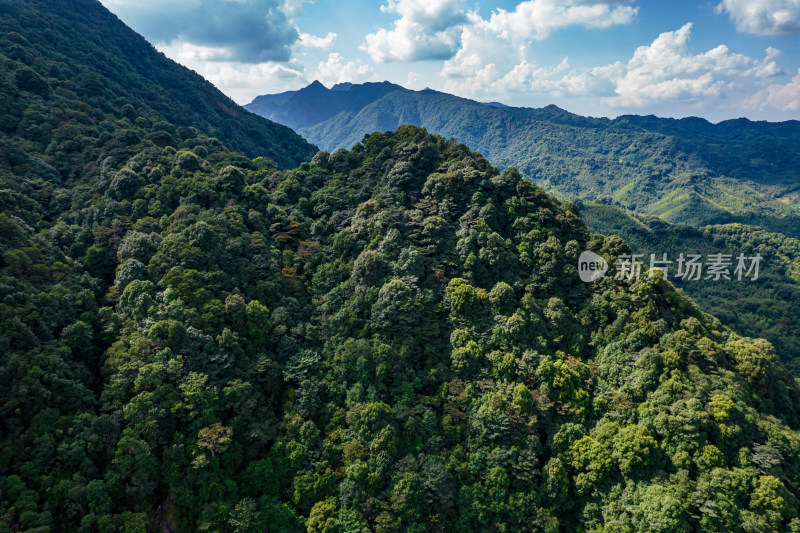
<point x="726" y="187"/>
<point x="200" y="336"/>
<point x="80" y="57"/>
<point x="687" y="171"/>
<point x="766" y="307"/>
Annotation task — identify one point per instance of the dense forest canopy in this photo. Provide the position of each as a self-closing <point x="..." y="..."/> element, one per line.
<point x="390" y="338"/>
<point x="765" y="307"/>
<point x="688" y="170"/>
<point x="77" y="52"/>
<point x="735" y="181"/>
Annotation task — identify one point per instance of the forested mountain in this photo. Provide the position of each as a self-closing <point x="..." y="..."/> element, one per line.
<point x="315" y="103"/>
<point x="391" y="338"/>
<point x="85" y="64"/>
<point x="687" y="170"/>
<point x="766" y="307"/>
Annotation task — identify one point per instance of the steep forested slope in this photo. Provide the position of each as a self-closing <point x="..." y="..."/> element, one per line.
<point x="77" y="51"/>
<point x="687" y="170"/>
<point x="766" y="307"/>
<point x="391" y="338"/>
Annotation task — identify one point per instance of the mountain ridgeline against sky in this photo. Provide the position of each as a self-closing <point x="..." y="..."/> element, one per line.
<point x="316" y="103"/>
<point x="687" y="170"/>
<point x="78" y="50"/>
<point x="197" y="335"/>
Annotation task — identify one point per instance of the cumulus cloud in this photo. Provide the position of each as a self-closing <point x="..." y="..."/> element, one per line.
<point x="435" y="29"/>
<point x="291" y="8"/>
<point x="493" y="62"/>
<point x="241" y="81"/>
<point x="249" y="31"/>
<point x="425" y="29"/>
<point x="489" y="81"/>
<point x="312" y="41"/>
<point x="336" y="70"/>
<point x="781" y="97"/>
<point x="667" y="71"/>
<point x="414" y="81"/>
<point x="245" y="76"/>
<point x="664" y="75"/>
<point x="763" y="17"/>
<point x="539" y="19"/>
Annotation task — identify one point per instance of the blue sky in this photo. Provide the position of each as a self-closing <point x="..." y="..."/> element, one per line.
<point x="718" y="59"/>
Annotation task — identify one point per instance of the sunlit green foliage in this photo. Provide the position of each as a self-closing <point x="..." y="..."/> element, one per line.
<point x="391" y="338"/>
<point x="407" y="360"/>
<point x="766" y="307"/>
<point x="688" y="171"/>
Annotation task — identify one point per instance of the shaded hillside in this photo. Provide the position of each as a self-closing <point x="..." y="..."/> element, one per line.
<point x="688" y="170"/>
<point x="391" y="338"/>
<point x="315" y="103"/>
<point x="766" y="307"/>
<point x="78" y="50"/>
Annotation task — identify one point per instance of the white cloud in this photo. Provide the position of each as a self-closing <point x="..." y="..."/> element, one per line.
<point x="244" y="47"/>
<point x="480" y="48"/>
<point x="435" y="29"/>
<point x="664" y="76"/>
<point x="426" y="29"/>
<point x="527" y="78"/>
<point x="414" y="81"/>
<point x="262" y="76"/>
<point x="251" y="31"/>
<point x="291" y="8"/>
<point x="335" y="70"/>
<point x="493" y="60"/>
<point x="241" y="81"/>
<point x="539" y="19"/>
<point x="312" y="41"/>
<point x="666" y="71"/>
<point x="188" y="53"/>
<point x="763" y="17"/>
<point x="780" y="97"/>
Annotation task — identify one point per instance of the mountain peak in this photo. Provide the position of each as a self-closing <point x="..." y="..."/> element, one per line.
<point x="316" y="85"/>
<point x="552" y="108"/>
<point x="315" y="103"/>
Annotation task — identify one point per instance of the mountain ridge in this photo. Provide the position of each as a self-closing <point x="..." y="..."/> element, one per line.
<point x="389" y="338"/>
<point x="684" y="170"/>
<point x="113" y="59"/>
<point x="315" y="102"/>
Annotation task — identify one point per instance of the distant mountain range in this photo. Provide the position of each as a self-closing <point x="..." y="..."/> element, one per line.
<point x="206" y="324"/>
<point x="688" y="170"/>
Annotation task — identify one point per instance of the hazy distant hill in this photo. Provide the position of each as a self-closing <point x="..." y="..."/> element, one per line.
<point x="685" y="170"/>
